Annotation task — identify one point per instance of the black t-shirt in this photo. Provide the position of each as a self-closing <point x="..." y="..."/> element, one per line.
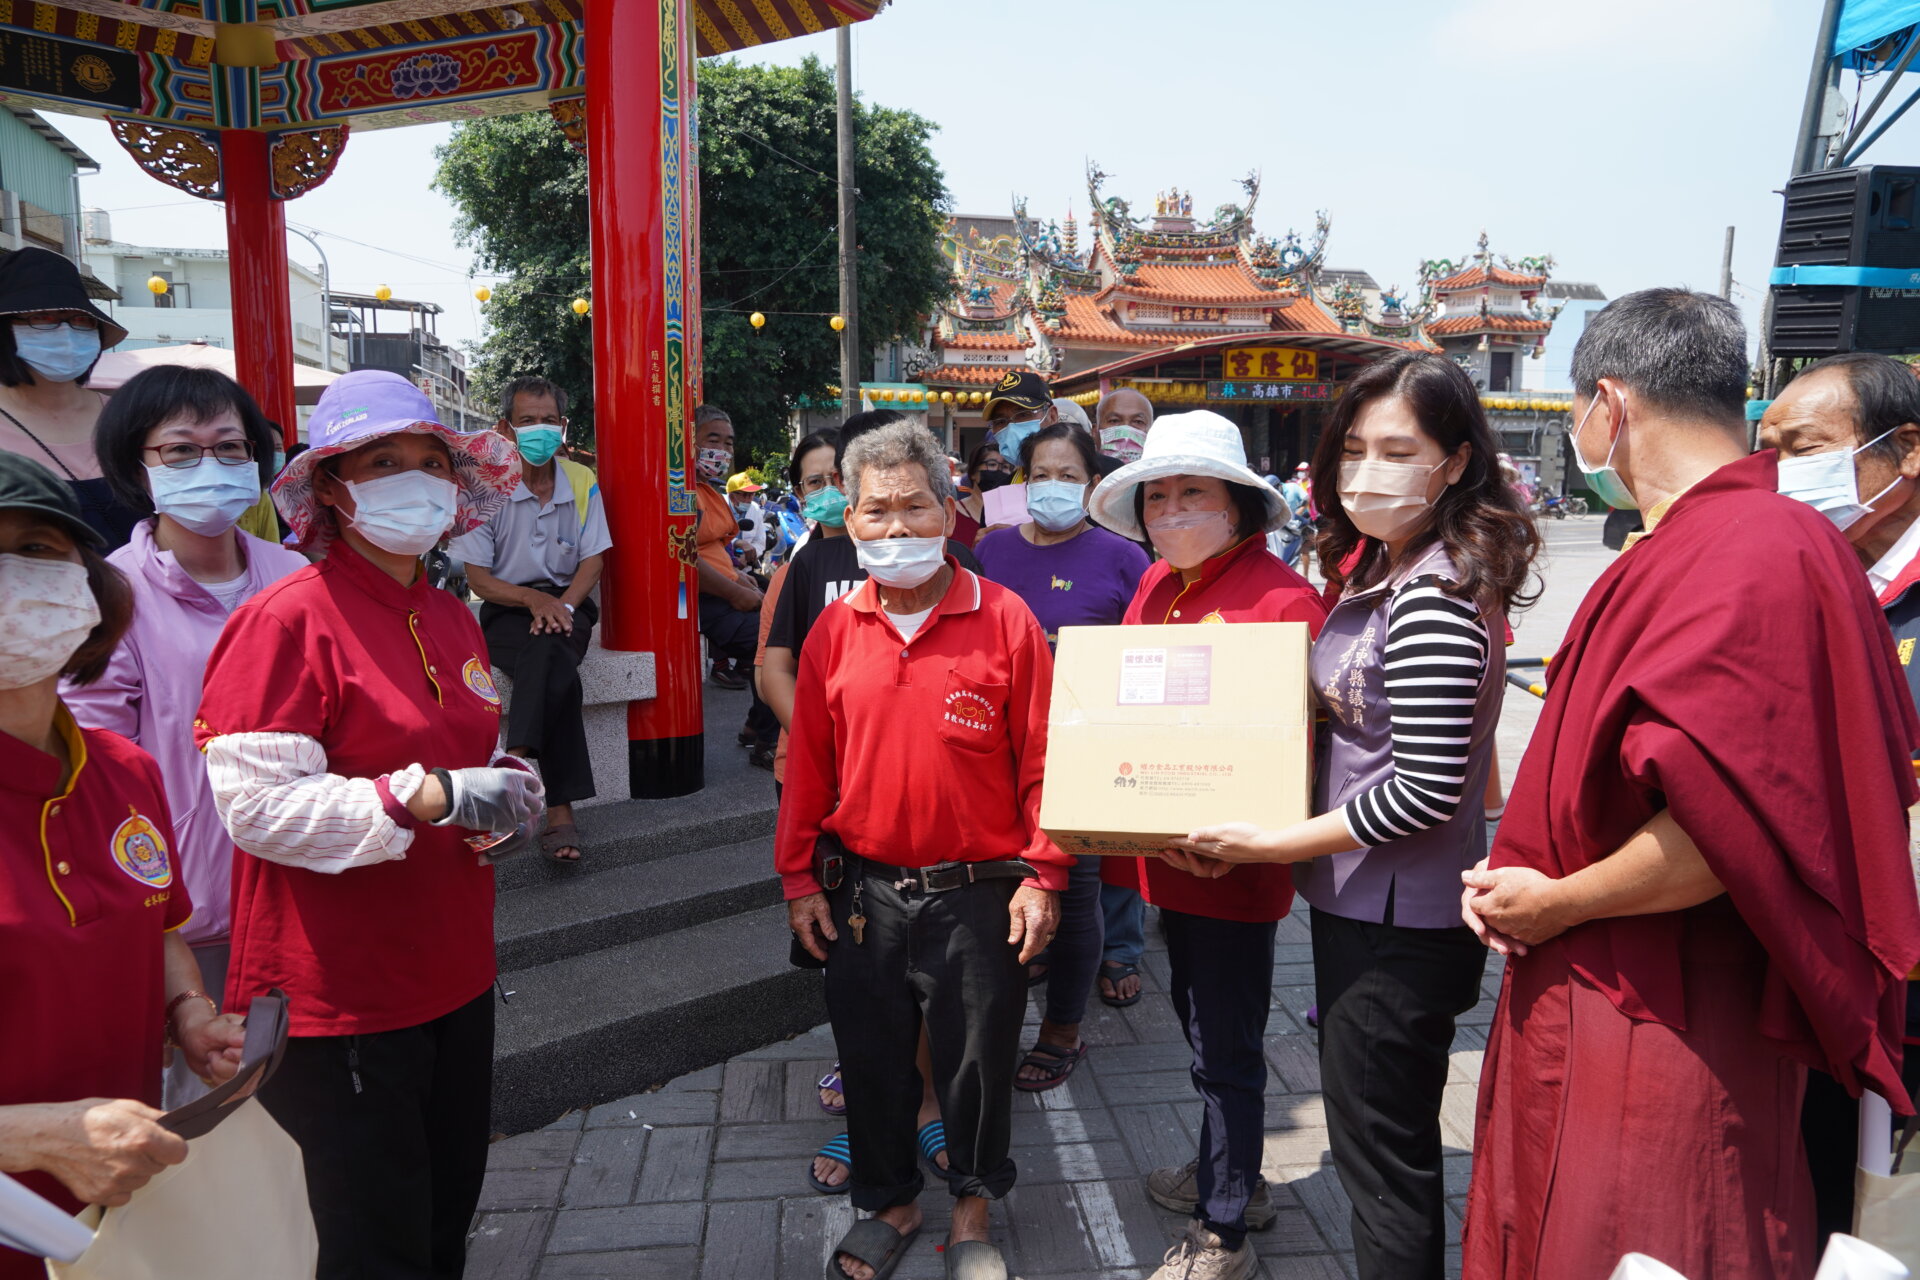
<point x="823" y="571"/>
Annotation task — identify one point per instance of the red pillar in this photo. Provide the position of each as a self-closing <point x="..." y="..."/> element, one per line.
<point x="639" y="106"/>
<point x="257" y="270"/>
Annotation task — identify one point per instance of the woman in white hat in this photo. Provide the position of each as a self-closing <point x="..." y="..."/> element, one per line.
<point x="1192" y="496"/>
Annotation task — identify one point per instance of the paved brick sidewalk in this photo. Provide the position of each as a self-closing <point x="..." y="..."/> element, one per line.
<point x="704" y="1178"/>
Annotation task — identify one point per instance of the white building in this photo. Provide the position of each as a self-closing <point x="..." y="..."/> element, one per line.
<point x="198" y="303"/>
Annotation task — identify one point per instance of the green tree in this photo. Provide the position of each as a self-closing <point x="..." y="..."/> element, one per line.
<point x="768" y="240"/>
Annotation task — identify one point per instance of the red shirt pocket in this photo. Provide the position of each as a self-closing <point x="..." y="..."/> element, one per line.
<point x="973" y="713"/>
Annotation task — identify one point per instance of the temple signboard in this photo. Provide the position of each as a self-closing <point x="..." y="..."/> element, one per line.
<point x="1237" y="392"/>
<point x="66" y="69"/>
<point x="1270" y="364"/>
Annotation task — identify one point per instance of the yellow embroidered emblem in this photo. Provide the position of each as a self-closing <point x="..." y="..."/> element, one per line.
<point x="141" y="851"/>
<point x="480" y="680"/>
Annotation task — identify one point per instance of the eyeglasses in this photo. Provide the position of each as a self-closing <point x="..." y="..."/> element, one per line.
<point x="48" y="323"/>
<point x="234" y="453"/>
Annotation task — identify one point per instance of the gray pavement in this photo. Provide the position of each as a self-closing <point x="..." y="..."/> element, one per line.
<point x="705" y="1176"/>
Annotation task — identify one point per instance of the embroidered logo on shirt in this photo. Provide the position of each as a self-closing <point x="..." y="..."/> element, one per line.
<point x="970" y="711"/>
<point x="1213" y="618"/>
<point x="1906" y="652"/>
<point x="1061" y="584"/>
<point x="477" y="678"/>
<point x="141" y="851"/>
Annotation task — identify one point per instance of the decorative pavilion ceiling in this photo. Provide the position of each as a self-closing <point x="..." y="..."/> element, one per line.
<point x="368" y="63"/>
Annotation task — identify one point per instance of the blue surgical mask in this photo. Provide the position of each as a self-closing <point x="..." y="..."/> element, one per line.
<point x="1828" y="483"/>
<point x="208" y="497"/>
<point x="59" y="355"/>
<point x="539" y="442"/>
<point x="279" y="461"/>
<point x="826" y="506"/>
<point x="1603" y="479"/>
<point x="1013" y="435"/>
<point x="1056" y="505"/>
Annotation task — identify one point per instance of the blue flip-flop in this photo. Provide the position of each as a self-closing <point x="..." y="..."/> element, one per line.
<point x="835" y="1150"/>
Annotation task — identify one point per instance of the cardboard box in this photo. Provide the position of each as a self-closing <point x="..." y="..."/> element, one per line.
<point x="1155" y="731"/>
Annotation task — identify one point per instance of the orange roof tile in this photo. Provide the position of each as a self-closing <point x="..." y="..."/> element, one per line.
<point x="1306" y="316"/>
<point x="1475" y="276"/>
<point x="1204" y="282"/>
<point x="1446" y="326"/>
<point x="984" y="375"/>
<point x="973" y="340"/>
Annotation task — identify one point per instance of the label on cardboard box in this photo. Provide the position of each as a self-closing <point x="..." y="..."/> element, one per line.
<point x="1154" y="731"/>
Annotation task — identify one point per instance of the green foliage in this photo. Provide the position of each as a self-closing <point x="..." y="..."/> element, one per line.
<point x="768" y="241"/>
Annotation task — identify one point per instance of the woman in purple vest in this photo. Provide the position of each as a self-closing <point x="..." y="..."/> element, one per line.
<point x="1430" y="550"/>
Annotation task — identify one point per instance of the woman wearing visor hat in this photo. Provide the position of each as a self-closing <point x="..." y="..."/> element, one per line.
<point x="350" y="726"/>
<point x="51" y="339"/>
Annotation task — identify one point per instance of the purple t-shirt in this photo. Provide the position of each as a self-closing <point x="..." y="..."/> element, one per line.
<point x="1086" y="581"/>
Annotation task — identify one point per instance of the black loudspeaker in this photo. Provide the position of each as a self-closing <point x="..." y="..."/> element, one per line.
<point x="1838" y="219"/>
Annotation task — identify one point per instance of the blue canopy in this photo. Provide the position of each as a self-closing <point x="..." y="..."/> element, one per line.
<point x="1865" y="23"/>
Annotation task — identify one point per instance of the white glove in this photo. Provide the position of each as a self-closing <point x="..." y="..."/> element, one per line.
<point x="494" y="799"/>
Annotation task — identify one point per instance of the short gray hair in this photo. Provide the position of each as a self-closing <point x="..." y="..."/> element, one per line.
<point x="711" y="413"/>
<point x="898" y="444"/>
<point x="1681" y="351"/>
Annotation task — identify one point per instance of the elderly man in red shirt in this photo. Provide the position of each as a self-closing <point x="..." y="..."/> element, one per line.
<point x="909" y="839"/>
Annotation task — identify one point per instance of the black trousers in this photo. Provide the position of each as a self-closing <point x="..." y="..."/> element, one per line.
<point x="393" y="1128"/>
<point x="737" y="635"/>
<point x="544" y="719"/>
<point x="941" y="958"/>
<point x="1388" y="998"/>
<point x="1222" y="988"/>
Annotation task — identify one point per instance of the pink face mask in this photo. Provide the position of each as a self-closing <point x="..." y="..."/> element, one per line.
<point x="1188" y="539"/>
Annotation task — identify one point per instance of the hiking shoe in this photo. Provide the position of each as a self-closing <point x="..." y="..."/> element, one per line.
<point x="1202" y="1255"/>
<point x="1178" y="1190"/>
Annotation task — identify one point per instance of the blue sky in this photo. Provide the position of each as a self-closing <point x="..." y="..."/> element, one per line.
<point x="1623" y="138"/>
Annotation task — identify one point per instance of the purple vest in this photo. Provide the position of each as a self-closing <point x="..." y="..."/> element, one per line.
<point x="1421" y="872"/>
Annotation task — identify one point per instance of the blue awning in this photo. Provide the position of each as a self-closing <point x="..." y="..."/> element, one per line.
<point x="1865" y="23"/>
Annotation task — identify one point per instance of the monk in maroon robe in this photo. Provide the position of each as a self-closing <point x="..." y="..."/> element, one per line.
<point x="1702" y="878"/>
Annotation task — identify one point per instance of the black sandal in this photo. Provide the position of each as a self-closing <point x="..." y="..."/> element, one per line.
<point x="1058" y="1064"/>
<point x="1113" y="973"/>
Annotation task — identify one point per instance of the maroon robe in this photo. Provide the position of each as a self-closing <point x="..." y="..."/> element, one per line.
<point x="1642" y="1079"/>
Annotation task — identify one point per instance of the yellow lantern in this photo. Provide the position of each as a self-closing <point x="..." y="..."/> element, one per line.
<point x="946" y="397"/>
<point x="979" y="397"/>
<point x="157" y="285"/>
<point x="581" y="306"/>
<point x="384" y="293"/>
<point x="483" y="293"/>
<point x="838" y="323"/>
<point x="757" y="320"/>
<point x="885" y="397"/>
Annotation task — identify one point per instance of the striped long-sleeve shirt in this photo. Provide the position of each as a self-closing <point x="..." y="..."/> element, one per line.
<point x="1436" y="657"/>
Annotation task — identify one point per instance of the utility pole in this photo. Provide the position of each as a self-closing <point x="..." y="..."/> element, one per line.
<point x="1726" y="268"/>
<point x="849" y="277"/>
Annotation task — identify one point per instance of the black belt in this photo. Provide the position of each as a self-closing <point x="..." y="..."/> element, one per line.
<point x="947" y="875"/>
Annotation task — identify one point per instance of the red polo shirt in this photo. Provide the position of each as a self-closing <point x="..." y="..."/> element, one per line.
<point x="1246" y="583"/>
<point x="925" y="751"/>
<point x="88" y="891"/>
<point x="382" y="676"/>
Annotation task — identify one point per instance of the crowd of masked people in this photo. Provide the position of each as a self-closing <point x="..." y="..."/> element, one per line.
<point x="232" y="763"/>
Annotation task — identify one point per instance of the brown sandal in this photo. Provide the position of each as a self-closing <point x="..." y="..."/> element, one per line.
<point x="564" y="836"/>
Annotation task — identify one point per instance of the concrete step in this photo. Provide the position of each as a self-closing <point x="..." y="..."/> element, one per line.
<point x="612" y="1022"/>
<point x="636" y="831"/>
<point x="543" y="923"/>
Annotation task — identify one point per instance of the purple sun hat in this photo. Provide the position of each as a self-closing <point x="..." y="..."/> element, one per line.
<point x="361" y="407"/>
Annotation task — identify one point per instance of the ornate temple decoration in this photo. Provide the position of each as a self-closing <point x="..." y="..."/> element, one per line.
<point x="185" y="158"/>
<point x="303" y="159"/>
<point x="571" y="115"/>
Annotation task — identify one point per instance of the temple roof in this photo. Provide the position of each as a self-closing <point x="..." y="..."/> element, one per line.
<point x="1212" y="282"/>
<point x="1494" y="322"/>
<point x="1473" y="277"/>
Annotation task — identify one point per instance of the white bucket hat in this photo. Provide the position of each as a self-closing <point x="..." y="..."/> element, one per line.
<point x="1200" y="443"/>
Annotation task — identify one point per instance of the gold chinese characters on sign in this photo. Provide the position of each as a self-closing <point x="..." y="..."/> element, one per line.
<point x="1207" y="315"/>
<point x="1285" y="364"/>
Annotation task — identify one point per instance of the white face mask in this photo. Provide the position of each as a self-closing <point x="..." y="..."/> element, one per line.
<point x="406" y="513"/>
<point x="1828" y="483"/>
<point x="47" y="610"/>
<point x="1188" y="539"/>
<point x="207" y="497"/>
<point x="905" y="563"/>
<point x="1386" y="500"/>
